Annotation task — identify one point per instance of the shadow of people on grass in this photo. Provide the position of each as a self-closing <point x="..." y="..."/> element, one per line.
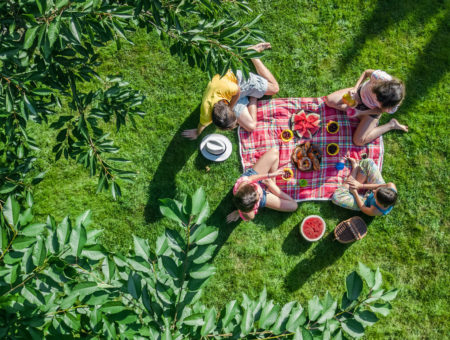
<point x="327" y="252"/>
<point x="175" y="157"/>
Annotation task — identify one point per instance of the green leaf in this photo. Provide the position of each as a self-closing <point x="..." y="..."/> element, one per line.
<point x="194" y="320"/>
<point x="378" y="280"/>
<point x="23" y="242"/>
<point x="314" y="308"/>
<point x="77" y="240"/>
<point x="383" y="309"/>
<point x="134" y="285"/>
<point x="63" y="231"/>
<point x="108" y="269"/>
<point x="210" y="322"/>
<point x="231" y="309"/>
<point x="246" y="322"/>
<point x="353" y="328"/>
<point x="141" y="247"/>
<point x="170" y="266"/>
<point x="202" y="271"/>
<point x="39" y="252"/>
<point x="366" y="318"/>
<point x="171" y="209"/>
<point x="161" y="245"/>
<point x="203" y="214"/>
<point x="113" y="307"/>
<point x="11" y="211"/>
<point x="30" y="35"/>
<point x="174" y="239"/>
<point x="33" y="229"/>
<point x="198" y="201"/>
<point x="25" y="217"/>
<point x="85" y="288"/>
<point x="33" y="296"/>
<point x="296" y="319"/>
<point x="366" y="274"/>
<point x="329" y="308"/>
<point x="28" y="104"/>
<point x="202" y="254"/>
<point x="204" y="235"/>
<point x="280" y="324"/>
<point x="95" y="252"/>
<point x="268" y="315"/>
<point x="9" y="103"/>
<point x="84" y="219"/>
<point x="390" y="295"/>
<point x="53" y="30"/>
<point x="75" y="29"/>
<point x="42" y="5"/>
<point x="37" y="179"/>
<point x="354" y="286"/>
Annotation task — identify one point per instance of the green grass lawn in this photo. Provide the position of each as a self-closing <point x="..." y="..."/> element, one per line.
<point x="318" y="47"/>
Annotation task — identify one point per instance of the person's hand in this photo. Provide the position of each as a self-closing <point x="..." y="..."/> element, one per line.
<point x="279" y="172"/>
<point x="190" y="134"/>
<point x="353" y="183"/>
<point x="353" y="191"/>
<point x="233" y="217"/>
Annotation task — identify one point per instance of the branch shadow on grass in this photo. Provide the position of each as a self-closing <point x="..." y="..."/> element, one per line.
<point x="177" y="153"/>
<point x="327" y="252"/>
<point x="385" y="14"/>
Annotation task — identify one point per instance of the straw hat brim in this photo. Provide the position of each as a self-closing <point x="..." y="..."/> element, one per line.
<point x="216" y="158"/>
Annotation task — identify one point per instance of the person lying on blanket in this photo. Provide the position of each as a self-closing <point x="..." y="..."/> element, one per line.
<point x="378" y="200"/>
<point x="231" y="100"/>
<point x="380" y="93"/>
<point x="249" y="196"/>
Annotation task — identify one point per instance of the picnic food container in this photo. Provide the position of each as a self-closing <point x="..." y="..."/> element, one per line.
<point x="332" y="127"/>
<point x="307" y="157"/>
<point x="332" y="149"/>
<point x="288" y="174"/>
<point x="312" y="228"/>
<point x="286" y="135"/>
<point x="350" y="230"/>
<point x="347" y="99"/>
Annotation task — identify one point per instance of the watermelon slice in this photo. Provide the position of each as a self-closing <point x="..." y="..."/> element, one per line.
<point x="305" y="125"/>
<point x="312" y="228"/>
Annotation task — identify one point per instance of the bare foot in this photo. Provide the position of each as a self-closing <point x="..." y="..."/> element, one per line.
<point x="353" y="162"/>
<point x="260" y="47"/>
<point x="397" y="126"/>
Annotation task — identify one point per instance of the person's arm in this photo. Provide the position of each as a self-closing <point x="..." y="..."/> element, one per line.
<point x="235" y="98"/>
<point x="260" y="177"/>
<point x="247" y="118"/>
<point x="192" y="134"/>
<point x="275" y="189"/>
<point x="368" y="211"/>
<point x="364" y="75"/>
<point x="375" y="111"/>
<point x="354" y="184"/>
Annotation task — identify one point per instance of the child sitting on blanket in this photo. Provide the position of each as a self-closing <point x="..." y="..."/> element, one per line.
<point x="249" y="196"/>
<point x="378" y="200"/>
<point x="380" y="93"/>
<point x="225" y="101"/>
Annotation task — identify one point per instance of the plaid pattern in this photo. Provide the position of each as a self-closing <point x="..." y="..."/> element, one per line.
<point x="273" y="117"/>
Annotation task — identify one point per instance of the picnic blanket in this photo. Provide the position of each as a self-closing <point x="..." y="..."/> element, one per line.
<point x="273" y="117"/>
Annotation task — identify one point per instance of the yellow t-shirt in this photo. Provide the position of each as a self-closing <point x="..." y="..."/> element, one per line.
<point x="217" y="90"/>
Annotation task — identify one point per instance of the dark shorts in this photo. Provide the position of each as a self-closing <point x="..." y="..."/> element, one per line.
<point x="251" y="172"/>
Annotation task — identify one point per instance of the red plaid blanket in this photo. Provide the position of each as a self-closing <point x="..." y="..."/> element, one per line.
<point x="273" y="117"/>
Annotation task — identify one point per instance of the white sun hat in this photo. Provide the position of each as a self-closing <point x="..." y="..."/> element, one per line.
<point x="216" y="147"/>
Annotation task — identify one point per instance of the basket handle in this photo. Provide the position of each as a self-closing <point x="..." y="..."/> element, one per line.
<point x="354" y="232"/>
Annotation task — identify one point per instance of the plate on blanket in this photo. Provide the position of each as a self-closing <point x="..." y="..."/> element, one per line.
<point x="307" y="157"/>
<point x="305" y="125"/>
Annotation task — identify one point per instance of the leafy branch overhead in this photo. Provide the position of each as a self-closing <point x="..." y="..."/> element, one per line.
<point x="57" y="280"/>
<point x="48" y="51"/>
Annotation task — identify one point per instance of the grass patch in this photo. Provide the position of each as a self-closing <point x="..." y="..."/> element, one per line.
<point x="318" y="47"/>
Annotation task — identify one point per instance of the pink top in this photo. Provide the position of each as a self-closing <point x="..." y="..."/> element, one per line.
<point x="236" y="187"/>
<point x="366" y="90"/>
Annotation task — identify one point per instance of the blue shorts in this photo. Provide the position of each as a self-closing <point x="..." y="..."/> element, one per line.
<point x="262" y="202"/>
<point x="254" y="86"/>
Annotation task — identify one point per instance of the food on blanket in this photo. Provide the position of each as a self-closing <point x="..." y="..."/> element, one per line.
<point x="288" y="174"/>
<point x="332" y="127"/>
<point x="304" y="164"/>
<point x="286" y="135"/>
<point x="305" y="125"/>
<point x="332" y="149"/>
<point x="347" y="99"/>
<point x="307" y="157"/>
<point x="303" y="183"/>
<point x="312" y="228"/>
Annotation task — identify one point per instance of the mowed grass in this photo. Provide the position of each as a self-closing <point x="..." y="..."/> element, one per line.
<point x="318" y="47"/>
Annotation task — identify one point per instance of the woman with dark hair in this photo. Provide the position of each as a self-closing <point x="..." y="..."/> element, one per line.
<point x="369" y="99"/>
<point x="380" y="197"/>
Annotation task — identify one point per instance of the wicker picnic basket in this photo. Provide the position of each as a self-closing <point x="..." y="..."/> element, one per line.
<point x="350" y="230"/>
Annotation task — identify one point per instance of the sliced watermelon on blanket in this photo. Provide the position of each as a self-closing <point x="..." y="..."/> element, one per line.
<point x="305" y="125"/>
